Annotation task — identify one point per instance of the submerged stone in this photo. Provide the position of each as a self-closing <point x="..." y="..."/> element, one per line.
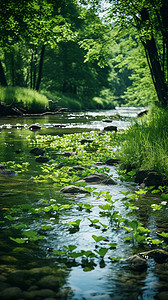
<point x="110" y="128"/>
<point x="72" y="189"/>
<point x="37" y="151"/>
<point x="84" y="141"/>
<point x="148" y="177"/>
<point x="100" y="178"/>
<point x="137" y="263"/>
<point x="11" y="293"/>
<point x="112" y="161"/>
<point x="42" y="159"/>
<point x="49" y="282"/>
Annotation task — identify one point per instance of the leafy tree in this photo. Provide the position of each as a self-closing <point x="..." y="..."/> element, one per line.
<point x="31" y="25"/>
<point x="149" y="18"/>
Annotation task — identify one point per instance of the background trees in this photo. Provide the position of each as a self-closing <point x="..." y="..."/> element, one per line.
<point x="149" y="19"/>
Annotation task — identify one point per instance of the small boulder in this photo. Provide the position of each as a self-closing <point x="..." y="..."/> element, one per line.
<point x="100" y="178"/>
<point x="107" y="120"/>
<point x="72" y="189"/>
<point x="84" y="141"/>
<point x="11" y="293"/>
<point x="37" y="151"/>
<point x="2" y="166"/>
<point x="153" y="178"/>
<point x="49" y="282"/>
<point x="110" y="128"/>
<point x="78" y="168"/>
<point x="112" y="161"/>
<point x="42" y="159"/>
<point x="159" y="255"/>
<point x="137" y="263"/>
<point x="69" y="153"/>
<point x="6" y="172"/>
<point x="141" y="175"/>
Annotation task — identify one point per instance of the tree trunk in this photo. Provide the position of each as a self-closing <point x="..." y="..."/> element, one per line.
<point x="158" y="76"/>
<point x="3" y="81"/>
<point x="40" y="68"/>
<point x="156" y="71"/>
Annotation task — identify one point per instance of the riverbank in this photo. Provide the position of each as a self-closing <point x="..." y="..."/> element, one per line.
<point x="146" y="142"/>
<point x="22" y="101"/>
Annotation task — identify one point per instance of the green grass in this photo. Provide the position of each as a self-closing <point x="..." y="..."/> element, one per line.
<point x="35" y="102"/>
<point x="145" y="143"/>
<point x="28" y="99"/>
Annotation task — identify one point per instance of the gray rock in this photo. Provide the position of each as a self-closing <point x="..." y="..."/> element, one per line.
<point x="69" y="153"/>
<point x="153" y="178"/>
<point x="110" y="128"/>
<point x="2" y="167"/>
<point x="137" y="263"/>
<point x="6" y="172"/>
<point x="50" y="282"/>
<point x="84" y="141"/>
<point x="43" y="293"/>
<point x="72" y="189"/>
<point x="42" y="159"/>
<point x="158" y="255"/>
<point x="78" y="168"/>
<point x="37" y="151"/>
<point x="100" y="178"/>
<point x="112" y="161"/>
<point x="107" y="120"/>
<point x="142" y="174"/>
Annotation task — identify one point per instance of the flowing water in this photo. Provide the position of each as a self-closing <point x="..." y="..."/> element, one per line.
<point x="34" y="271"/>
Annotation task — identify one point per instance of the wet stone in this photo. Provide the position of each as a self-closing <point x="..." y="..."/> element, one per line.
<point x="137" y="263"/>
<point x="72" y="189"/>
<point x="110" y="128"/>
<point x="37" y="151"/>
<point x="11" y="293"/>
<point x="43" y="293"/>
<point x="50" y="281"/>
<point x="100" y="178"/>
<point x="42" y="159"/>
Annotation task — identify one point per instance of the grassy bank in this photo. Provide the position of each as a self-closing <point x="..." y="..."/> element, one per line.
<point x="33" y="102"/>
<point x="146" y="143"/>
<point x="30" y="100"/>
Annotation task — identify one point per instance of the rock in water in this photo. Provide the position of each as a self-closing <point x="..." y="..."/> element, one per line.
<point x="72" y="189"/>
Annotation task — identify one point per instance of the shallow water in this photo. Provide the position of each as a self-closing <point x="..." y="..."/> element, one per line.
<point x="106" y="280"/>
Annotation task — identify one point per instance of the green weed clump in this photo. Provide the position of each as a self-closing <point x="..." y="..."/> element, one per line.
<point x="30" y="100"/>
<point x="145" y="143"/>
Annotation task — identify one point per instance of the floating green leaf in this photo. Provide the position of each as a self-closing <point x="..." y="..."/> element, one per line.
<point x="19" y="240"/>
<point x="59" y="252"/>
<point x="102" y="252"/>
<point x="70" y="247"/>
<point x="156" y="206"/>
<point x="75" y="223"/>
<point x="98" y="238"/>
<point x="163" y="234"/>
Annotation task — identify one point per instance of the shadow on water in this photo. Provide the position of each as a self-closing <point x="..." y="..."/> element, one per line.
<point x="31" y="270"/>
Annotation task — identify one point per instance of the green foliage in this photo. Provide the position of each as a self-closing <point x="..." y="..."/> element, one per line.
<point x="28" y="99"/>
<point x="146" y="143"/>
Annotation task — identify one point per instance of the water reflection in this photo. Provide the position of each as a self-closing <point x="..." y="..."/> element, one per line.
<point x="113" y="281"/>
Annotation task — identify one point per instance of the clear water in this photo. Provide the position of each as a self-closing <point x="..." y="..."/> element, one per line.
<point x="107" y="280"/>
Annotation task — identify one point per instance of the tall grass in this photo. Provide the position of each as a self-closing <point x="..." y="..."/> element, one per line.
<point x="30" y="100"/>
<point x="145" y="143"/>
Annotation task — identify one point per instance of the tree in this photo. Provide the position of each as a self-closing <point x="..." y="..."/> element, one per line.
<point x="32" y="25"/>
<point x="151" y="23"/>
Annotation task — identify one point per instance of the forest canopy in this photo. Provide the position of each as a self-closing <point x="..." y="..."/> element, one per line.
<point x="111" y="50"/>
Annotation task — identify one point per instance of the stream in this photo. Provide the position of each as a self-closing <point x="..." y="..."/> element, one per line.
<point x="33" y="270"/>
